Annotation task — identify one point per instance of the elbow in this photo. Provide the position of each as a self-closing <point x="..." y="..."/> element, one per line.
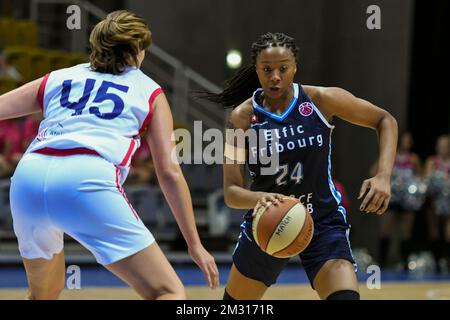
<point x="387" y="121"/>
<point x="229" y="198"/>
<point x="169" y="175"/>
<point x="393" y="121"/>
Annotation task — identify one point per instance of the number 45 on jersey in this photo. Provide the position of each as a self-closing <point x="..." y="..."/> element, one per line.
<point x="101" y="96"/>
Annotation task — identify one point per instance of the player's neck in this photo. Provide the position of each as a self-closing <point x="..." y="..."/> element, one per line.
<point x="278" y="105"/>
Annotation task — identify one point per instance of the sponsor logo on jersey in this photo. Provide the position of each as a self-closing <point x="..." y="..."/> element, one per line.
<point x="306" y="109"/>
<point x="47" y="133"/>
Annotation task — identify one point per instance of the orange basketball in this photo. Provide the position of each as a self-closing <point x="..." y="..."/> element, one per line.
<point x="285" y="230"/>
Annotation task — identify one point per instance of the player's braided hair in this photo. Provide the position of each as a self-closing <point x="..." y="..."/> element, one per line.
<point x="242" y="85"/>
<point x="117" y="40"/>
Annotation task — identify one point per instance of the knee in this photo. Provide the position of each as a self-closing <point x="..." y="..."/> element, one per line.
<point x="344" y="295"/>
<point x="181" y="295"/>
<point x="178" y="292"/>
<point x="49" y="293"/>
<point x="173" y="292"/>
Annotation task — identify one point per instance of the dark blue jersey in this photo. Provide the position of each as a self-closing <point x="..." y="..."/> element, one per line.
<point x="301" y="137"/>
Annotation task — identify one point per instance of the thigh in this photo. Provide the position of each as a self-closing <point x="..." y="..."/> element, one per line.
<point x="240" y="287"/>
<point x="46" y="278"/>
<point x="330" y="242"/>
<point x="433" y="224"/>
<point x="252" y="262"/>
<point x="89" y="204"/>
<point x="37" y="236"/>
<point x="406" y="224"/>
<point x="148" y="272"/>
<point x="387" y="222"/>
<point x="447" y="230"/>
<point x="335" y="275"/>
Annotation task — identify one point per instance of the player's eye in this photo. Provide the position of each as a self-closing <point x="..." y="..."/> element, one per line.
<point x="283" y="68"/>
<point x="267" y="69"/>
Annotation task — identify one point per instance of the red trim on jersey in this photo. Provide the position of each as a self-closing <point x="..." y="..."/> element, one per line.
<point x="119" y="187"/>
<point x="129" y="153"/>
<point x="42" y="91"/>
<point x="151" y="110"/>
<point x="66" y="152"/>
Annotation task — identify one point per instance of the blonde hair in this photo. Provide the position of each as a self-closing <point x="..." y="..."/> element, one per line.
<point x="117" y="40"/>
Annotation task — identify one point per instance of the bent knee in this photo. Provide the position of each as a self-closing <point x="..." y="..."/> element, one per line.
<point x="177" y="292"/>
<point x="172" y="292"/>
<point x="50" y="293"/>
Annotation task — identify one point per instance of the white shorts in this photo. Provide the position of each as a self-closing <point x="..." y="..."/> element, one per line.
<point x="79" y="195"/>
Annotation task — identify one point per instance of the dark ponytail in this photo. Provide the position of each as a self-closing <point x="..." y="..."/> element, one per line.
<point x="237" y="89"/>
<point x="245" y="81"/>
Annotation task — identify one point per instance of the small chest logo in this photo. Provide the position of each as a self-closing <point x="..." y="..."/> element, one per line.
<point x="306" y="109"/>
<point x="254" y="119"/>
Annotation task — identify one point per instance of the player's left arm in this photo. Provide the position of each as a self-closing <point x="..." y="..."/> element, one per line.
<point x="341" y="103"/>
<point x="174" y="186"/>
<point x="21" y="101"/>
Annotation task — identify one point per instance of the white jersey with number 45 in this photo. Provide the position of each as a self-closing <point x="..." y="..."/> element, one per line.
<point x="96" y="111"/>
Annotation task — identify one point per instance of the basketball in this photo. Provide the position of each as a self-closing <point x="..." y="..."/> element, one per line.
<point x="285" y="230"/>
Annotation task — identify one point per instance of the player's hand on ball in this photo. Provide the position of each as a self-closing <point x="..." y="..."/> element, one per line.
<point x="378" y="194"/>
<point x="268" y="199"/>
<point x="206" y="263"/>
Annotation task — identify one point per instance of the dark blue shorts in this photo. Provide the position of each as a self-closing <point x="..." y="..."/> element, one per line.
<point x="330" y="241"/>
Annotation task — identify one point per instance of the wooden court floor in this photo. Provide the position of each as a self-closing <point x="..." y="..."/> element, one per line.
<point x="389" y="291"/>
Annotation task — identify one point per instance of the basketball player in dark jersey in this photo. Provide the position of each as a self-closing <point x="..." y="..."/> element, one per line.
<point x="295" y="121"/>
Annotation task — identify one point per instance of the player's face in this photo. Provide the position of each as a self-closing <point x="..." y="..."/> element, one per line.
<point x="443" y="147"/>
<point x="406" y="141"/>
<point x="276" y="68"/>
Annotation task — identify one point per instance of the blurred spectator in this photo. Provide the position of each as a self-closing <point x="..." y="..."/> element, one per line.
<point x="437" y="172"/>
<point x="9" y="70"/>
<point x="5" y="168"/>
<point x="340" y="188"/>
<point x="142" y="170"/>
<point x="30" y="128"/>
<point x="404" y="203"/>
<point x="10" y="147"/>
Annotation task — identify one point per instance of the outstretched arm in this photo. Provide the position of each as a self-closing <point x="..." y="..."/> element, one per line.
<point x="20" y="102"/>
<point x="175" y="188"/>
<point x="341" y="103"/>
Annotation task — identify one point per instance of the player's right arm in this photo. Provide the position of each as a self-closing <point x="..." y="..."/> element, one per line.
<point x="20" y="102"/>
<point x="236" y="195"/>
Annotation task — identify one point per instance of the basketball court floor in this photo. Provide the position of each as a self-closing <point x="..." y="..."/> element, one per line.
<point x="97" y="283"/>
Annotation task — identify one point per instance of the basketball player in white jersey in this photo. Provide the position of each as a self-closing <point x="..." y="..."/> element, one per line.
<point x="70" y="178"/>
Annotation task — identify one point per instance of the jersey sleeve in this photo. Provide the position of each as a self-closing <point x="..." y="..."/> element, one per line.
<point x="41" y="92"/>
<point x="151" y="108"/>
